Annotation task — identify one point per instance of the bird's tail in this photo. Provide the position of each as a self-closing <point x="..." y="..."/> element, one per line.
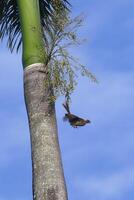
<point x="66" y="106"/>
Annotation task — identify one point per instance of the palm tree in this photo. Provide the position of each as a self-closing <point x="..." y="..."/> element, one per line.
<point x="22" y="21"/>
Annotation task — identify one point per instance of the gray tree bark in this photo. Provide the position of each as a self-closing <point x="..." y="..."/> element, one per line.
<point x="48" y="178"/>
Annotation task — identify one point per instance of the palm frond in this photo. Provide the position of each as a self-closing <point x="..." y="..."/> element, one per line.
<point x="10" y="23"/>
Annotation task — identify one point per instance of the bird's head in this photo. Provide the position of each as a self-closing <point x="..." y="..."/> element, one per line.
<point x="88" y="121"/>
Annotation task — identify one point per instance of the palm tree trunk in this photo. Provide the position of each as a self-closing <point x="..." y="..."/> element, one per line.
<point x="47" y="171"/>
<point x="48" y="178"/>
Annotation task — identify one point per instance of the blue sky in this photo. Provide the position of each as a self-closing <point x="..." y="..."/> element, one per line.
<point x="98" y="158"/>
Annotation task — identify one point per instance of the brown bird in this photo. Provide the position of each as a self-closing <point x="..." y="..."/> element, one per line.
<point x="74" y="120"/>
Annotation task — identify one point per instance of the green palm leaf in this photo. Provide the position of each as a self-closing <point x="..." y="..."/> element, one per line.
<point x="10" y="24"/>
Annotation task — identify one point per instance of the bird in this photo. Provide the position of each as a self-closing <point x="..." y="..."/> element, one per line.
<point x="74" y="120"/>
